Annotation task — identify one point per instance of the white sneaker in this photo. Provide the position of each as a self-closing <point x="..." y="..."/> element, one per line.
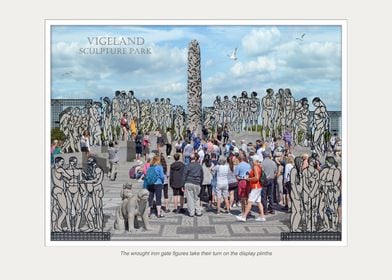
<point x="140" y="180"/>
<point x="240" y="218"/>
<point x="260" y="219"/>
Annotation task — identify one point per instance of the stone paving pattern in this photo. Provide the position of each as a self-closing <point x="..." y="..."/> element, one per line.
<point x="180" y="227"/>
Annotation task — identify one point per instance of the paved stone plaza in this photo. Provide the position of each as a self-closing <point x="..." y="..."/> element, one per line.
<point x="180" y="227"/>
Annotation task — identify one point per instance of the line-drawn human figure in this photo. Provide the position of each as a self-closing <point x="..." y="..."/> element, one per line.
<point x="310" y="185"/>
<point x="300" y="123"/>
<point x="289" y="108"/>
<point x="59" y="199"/>
<point x="267" y="103"/>
<point x="74" y="193"/>
<point x="125" y="104"/>
<point x="243" y="108"/>
<point x="179" y="122"/>
<point x="161" y="113"/>
<point x="145" y="115"/>
<point x="116" y="114"/>
<point x="234" y="114"/>
<point x="107" y="118"/>
<point x="330" y="191"/>
<point x="124" y="101"/>
<point x="319" y="125"/>
<point x="254" y="110"/>
<point x="134" y="105"/>
<point x="227" y="107"/>
<point x="82" y="118"/>
<point x="296" y="195"/>
<point x="79" y="119"/>
<point x="81" y="124"/>
<point x="94" y="118"/>
<point x="247" y="112"/>
<point x="92" y="209"/>
<point x="217" y="104"/>
<point x="155" y="108"/>
<point x="278" y="113"/>
<point x="209" y="118"/>
<point x="74" y="123"/>
<point x="65" y="118"/>
<point x="166" y="114"/>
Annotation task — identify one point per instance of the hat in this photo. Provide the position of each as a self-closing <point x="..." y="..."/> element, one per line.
<point x="233" y="141"/>
<point x="331" y="160"/>
<point x="255" y="157"/>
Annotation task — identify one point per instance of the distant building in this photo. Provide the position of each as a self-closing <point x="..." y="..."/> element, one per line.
<point x="335" y="124"/>
<point x="58" y="105"/>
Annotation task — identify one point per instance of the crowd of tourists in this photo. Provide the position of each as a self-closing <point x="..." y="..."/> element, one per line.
<point x="217" y="174"/>
<point x="212" y="173"/>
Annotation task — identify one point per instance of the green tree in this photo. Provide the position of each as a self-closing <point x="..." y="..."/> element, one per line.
<point x="57" y="134"/>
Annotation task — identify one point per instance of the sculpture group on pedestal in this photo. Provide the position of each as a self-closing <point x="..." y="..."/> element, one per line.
<point x="76" y="195"/>
<point x="315" y="196"/>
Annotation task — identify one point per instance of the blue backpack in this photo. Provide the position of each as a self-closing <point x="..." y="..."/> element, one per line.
<point x="151" y="176"/>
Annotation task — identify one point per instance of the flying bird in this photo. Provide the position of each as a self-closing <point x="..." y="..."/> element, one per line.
<point x="233" y="55"/>
<point x="67" y="73"/>
<point x="301" y="38"/>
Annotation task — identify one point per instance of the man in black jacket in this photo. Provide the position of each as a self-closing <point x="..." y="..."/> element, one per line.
<point x="176" y="180"/>
<point x="193" y="178"/>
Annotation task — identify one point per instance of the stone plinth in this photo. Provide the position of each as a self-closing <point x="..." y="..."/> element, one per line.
<point x="131" y="151"/>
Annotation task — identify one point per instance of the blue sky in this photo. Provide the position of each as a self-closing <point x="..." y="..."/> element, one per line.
<point x="268" y="57"/>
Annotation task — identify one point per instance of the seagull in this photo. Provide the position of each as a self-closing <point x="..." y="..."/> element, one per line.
<point x="67" y="73"/>
<point x="301" y="38"/>
<point x="233" y="55"/>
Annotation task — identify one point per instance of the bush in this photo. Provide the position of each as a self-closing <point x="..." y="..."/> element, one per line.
<point x="57" y="134"/>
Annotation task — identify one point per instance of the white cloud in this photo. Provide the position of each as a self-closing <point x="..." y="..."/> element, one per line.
<point x="69" y="66"/>
<point x="260" y="40"/>
<point x="215" y="80"/>
<point x="314" y="54"/>
<point x="261" y="64"/>
<point x="174" y="88"/>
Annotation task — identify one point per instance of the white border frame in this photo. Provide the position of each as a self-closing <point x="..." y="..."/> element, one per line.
<point x="211" y="244"/>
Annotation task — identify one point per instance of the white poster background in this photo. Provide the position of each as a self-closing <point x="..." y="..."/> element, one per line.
<point x="24" y="251"/>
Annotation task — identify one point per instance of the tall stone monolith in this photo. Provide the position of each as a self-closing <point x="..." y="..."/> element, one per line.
<point x="194" y="87"/>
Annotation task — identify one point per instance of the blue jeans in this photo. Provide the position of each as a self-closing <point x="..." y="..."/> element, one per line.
<point x="267" y="195"/>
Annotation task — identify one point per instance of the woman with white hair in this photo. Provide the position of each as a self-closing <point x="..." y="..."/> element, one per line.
<point x="222" y="184"/>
